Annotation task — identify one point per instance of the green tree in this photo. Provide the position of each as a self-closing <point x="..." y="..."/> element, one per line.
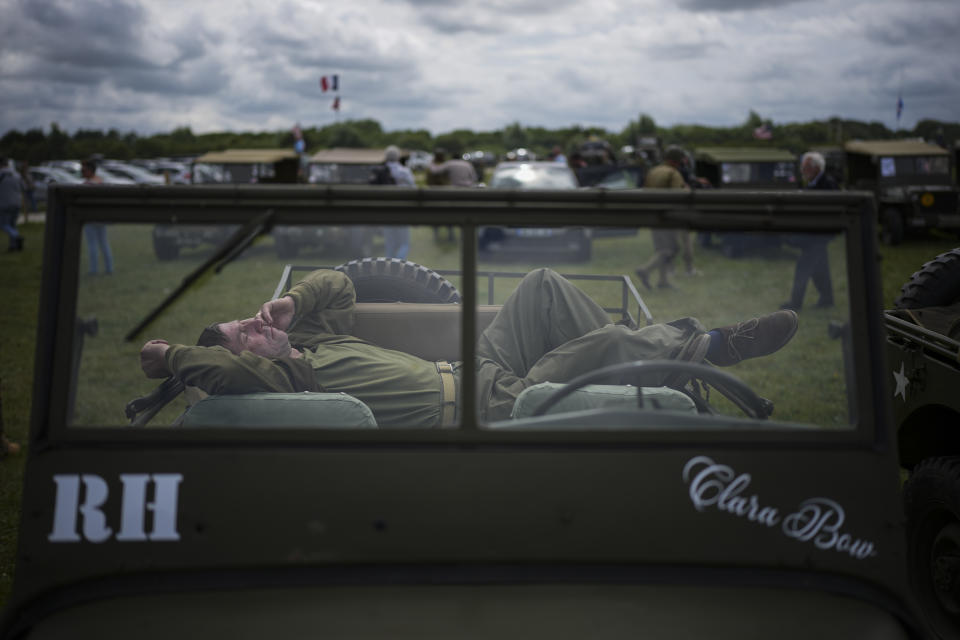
<point x="345" y="136"/>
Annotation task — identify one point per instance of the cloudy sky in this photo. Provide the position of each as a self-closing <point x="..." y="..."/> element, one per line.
<point x="445" y="64"/>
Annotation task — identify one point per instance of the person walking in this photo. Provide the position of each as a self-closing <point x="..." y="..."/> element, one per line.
<point x="454" y="173"/>
<point x="11" y="192"/>
<point x="29" y="187"/>
<point x="667" y="242"/>
<point x="396" y="238"/>
<point x="96" y="232"/>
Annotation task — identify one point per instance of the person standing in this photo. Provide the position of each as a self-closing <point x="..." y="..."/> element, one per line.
<point x="11" y="192"/>
<point x="396" y="238"/>
<point x="96" y="232"/>
<point x="813" y="262"/>
<point x="453" y="173"/>
<point x="667" y="242"/>
<point x="29" y="187"/>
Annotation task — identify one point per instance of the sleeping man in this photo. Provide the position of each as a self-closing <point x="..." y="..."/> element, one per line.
<point x="548" y="330"/>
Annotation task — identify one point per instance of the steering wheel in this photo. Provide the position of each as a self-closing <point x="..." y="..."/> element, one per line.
<point x="728" y="385"/>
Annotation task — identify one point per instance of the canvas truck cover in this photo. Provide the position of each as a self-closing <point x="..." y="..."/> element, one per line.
<point x="894" y="148"/>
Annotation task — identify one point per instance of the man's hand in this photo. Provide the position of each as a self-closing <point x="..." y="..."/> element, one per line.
<point x="277" y="313"/>
<point x="153" y="359"/>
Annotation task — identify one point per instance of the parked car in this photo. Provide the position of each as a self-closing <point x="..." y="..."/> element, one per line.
<point x="419" y="160"/>
<point x="174" y="171"/>
<point x="523" y="243"/>
<point x="73" y="167"/>
<point x="45" y="176"/>
<point x="912" y="182"/>
<point x="138" y="174"/>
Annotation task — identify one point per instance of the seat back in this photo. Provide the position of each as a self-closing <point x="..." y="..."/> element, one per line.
<point x="307" y="409"/>
<point x="429" y="331"/>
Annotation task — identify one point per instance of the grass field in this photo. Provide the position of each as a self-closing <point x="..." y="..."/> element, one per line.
<point x="110" y="376"/>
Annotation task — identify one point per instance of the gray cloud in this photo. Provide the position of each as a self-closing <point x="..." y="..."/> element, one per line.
<point x="442" y="65"/>
<point x="732" y="5"/>
<point x="929" y="30"/>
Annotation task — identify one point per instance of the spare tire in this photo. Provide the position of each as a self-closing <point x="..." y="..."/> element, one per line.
<point x="936" y="284"/>
<point x="395" y="280"/>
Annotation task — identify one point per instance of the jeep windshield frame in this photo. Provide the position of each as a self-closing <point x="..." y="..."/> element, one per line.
<point x="469" y="210"/>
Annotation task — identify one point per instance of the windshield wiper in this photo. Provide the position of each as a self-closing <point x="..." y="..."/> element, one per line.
<point x="225" y="254"/>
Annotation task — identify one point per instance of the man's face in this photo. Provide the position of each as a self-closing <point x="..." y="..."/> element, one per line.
<point x="809" y="170"/>
<point x="254" y="336"/>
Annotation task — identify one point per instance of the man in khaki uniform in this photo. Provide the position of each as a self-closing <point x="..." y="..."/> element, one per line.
<point x="548" y="330"/>
<point x="667" y="242"/>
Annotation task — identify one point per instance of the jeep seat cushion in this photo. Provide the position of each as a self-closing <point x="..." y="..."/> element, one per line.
<point x="326" y="410"/>
<point x="600" y="396"/>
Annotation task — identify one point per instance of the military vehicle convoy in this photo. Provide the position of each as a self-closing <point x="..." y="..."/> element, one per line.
<point x="656" y="498"/>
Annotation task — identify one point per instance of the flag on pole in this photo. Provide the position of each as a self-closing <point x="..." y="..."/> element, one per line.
<point x="899" y="107"/>
<point x="330" y="82"/>
<point x="763" y="132"/>
<point x="336" y="104"/>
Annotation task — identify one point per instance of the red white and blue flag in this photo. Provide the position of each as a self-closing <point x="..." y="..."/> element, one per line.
<point x="763" y="132"/>
<point x="336" y="104"/>
<point x="330" y="83"/>
<point x="899" y="107"/>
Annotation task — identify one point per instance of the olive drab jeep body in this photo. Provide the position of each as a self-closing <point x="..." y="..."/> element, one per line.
<point x="912" y="181"/>
<point x="664" y="497"/>
<point x="923" y="347"/>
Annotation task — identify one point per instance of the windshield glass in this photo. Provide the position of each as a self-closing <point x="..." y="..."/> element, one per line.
<point x="556" y="303"/>
<point x="533" y="176"/>
<point x="893" y="166"/>
<point x="744" y="172"/>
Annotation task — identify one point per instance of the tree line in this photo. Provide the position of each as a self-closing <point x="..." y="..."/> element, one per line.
<point x="37" y="145"/>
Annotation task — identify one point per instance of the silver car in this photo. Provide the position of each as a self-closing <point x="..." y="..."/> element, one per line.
<point x="518" y="244"/>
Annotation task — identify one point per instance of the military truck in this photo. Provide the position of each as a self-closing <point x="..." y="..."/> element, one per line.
<point x="923" y="349"/>
<point x="911" y="180"/>
<point x="344" y="165"/>
<point x="236" y="166"/>
<point x="654" y="498"/>
<point x="754" y="168"/>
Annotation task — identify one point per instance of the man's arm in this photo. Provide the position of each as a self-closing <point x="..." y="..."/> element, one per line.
<point x="323" y="302"/>
<point x="217" y="371"/>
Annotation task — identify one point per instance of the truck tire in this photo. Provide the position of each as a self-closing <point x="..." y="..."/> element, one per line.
<point x="932" y="504"/>
<point x="891" y="226"/>
<point x="395" y="280"/>
<point x="936" y="284"/>
<point x="165" y="248"/>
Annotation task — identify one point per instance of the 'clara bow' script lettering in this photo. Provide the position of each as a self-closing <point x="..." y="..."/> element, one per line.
<point x="816" y="520"/>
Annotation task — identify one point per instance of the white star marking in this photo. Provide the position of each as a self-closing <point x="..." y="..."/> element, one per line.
<point x="902" y="383"/>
